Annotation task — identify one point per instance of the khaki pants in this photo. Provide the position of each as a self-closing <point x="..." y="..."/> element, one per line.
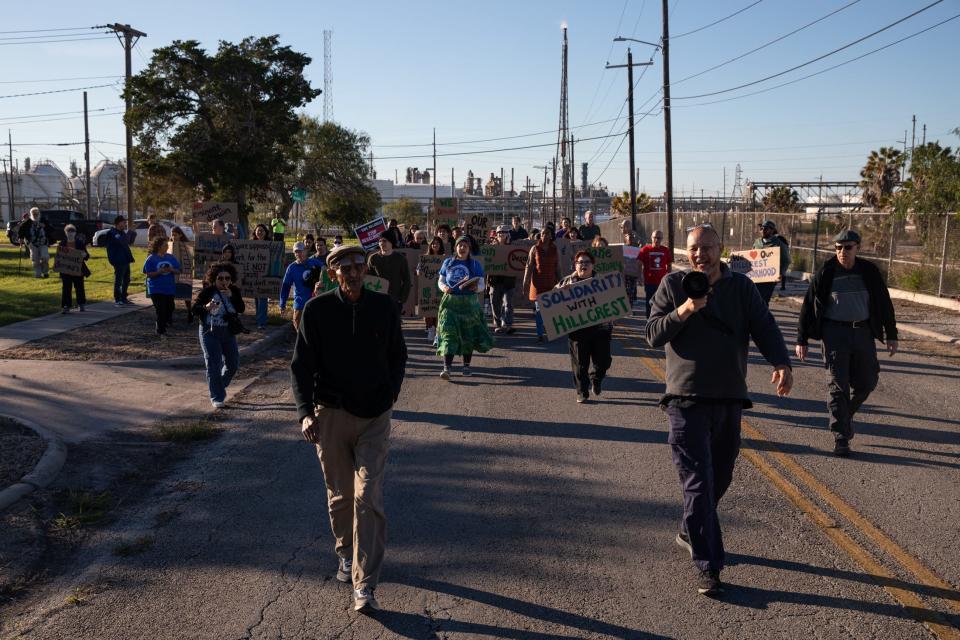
<point x="353" y="454"/>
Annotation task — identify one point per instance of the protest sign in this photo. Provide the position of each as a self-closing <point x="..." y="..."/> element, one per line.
<point x="584" y="304"/>
<point x="369" y="232"/>
<point x="607" y="259"/>
<point x="183" y="252"/>
<point x="504" y="259"/>
<point x="376" y="284"/>
<point x="444" y="212"/>
<point x="413" y="259"/>
<point x="760" y="265"/>
<point x="204" y="214"/>
<point x="428" y="293"/>
<point x="69" y="262"/>
<point x="259" y="263"/>
<point x="631" y="261"/>
<point x="478" y="227"/>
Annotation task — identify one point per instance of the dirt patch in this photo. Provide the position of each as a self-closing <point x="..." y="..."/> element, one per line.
<point x="131" y="336"/>
<point x="20" y="450"/>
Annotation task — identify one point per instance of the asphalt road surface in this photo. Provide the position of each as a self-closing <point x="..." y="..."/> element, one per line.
<point x="516" y="513"/>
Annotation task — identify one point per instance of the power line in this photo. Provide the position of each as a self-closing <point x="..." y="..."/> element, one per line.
<point x="765" y="45"/>
<point x="44" y="115"/>
<point x="60" y="80"/>
<point x="817" y="73"/>
<point x="85" y="38"/>
<point x="24" y="122"/>
<point x="817" y="59"/>
<point x="62" y="35"/>
<point x="41" y="93"/>
<point x="609" y="53"/>
<point x="48" y="30"/>
<point x="716" y="22"/>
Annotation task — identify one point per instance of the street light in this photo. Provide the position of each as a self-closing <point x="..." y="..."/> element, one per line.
<point x="633" y="184"/>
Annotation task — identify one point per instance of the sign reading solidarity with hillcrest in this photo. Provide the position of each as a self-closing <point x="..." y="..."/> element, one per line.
<point x="584" y="304"/>
<point x="760" y="265"/>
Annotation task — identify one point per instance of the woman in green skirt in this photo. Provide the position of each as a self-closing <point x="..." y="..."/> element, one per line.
<point x="461" y="329"/>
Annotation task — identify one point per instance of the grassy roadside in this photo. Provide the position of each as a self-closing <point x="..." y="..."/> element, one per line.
<point x="23" y="297"/>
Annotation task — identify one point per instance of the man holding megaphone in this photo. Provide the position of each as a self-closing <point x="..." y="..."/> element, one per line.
<point x="705" y="318"/>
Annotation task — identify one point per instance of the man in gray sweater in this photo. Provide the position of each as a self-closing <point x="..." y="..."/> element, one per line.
<point x="706" y="341"/>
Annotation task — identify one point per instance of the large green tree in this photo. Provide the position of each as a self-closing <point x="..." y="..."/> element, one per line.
<point x="932" y="189"/>
<point x="406" y="210"/>
<point x="223" y="122"/>
<point x="328" y="160"/>
<point x="879" y="176"/>
<point x="781" y="199"/>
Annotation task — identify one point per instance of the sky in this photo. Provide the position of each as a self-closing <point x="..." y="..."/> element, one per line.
<point x="492" y="70"/>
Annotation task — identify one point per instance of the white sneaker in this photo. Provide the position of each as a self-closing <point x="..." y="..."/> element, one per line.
<point x="364" y="601"/>
<point x="217" y="404"/>
<point x="445" y="374"/>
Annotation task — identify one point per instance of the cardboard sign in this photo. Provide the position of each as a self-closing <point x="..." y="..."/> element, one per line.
<point x="183" y="252"/>
<point x="444" y="212"/>
<point x="413" y="259"/>
<point x="607" y="259"/>
<point x="259" y="263"/>
<point x="428" y="293"/>
<point x="376" y="284"/>
<point x="204" y="214"/>
<point x="369" y="232"/>
<point x="760" y="265"/>
<point x="584" y="304"/>
<point x="631" y="261"/>
<point x="504" y="259"/>
<point x="68" y="262"/>
<point x="478" y="226"/>
<point x="566" y="249"/>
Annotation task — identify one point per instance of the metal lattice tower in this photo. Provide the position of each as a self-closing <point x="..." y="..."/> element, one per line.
<point x="327" y="75"/>
<point x="563" y="130"/>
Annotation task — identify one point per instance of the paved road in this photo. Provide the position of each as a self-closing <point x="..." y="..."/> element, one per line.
<point x="516" y="513"/>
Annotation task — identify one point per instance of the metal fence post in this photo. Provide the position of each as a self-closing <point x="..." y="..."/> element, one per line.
<point x="943" y="253"/>
<point x="816" y="239"/>
<point x="893" y="236"/>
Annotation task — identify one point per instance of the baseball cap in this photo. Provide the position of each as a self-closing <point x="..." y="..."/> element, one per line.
<point x="503" y="229"/>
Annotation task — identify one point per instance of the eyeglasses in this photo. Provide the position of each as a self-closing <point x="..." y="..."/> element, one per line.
<point x="846" y="247"/>
<point x="584" y="262"/>
<point x="348" y="267"/>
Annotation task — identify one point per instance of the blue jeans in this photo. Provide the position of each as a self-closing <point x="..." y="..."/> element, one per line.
<point x="222" y="357"/>
<point x="650" y="290"/>
<point x="705" y="441"/>
<point x="261" y="304"/>
<point x="121" y="281"/>
<point x="541" y="330"/>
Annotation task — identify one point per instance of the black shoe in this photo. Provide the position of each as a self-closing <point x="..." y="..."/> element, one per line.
<point x="841" y="448"/>
<point x="596" y="387"/>
<point x="344" y="570"/>
<point x="582" y="397"/>
<point x="683" y="541"/>
<point x="510" y="331"/>
<point x="708" y="584"/>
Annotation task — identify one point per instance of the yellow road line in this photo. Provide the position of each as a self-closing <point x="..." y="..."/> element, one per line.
<point x="934" y="621"/>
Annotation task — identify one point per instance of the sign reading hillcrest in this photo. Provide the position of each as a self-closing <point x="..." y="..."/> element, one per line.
<point x="584" y="304"/>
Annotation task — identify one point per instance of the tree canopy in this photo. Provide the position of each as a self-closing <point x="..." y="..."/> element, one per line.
<point x="406" y="210"/>
<point x="781" y="199"/>
<point x="879" y="176"/>
<point x="223" y="122"/>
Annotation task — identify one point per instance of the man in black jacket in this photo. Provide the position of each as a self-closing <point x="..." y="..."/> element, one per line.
<point x="347" y="369"/>
<point x="706" y="340"/>
<point x="848" y="307"/>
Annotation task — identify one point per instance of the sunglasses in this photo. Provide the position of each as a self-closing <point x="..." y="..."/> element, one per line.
<point x="350" y="266"/>
<point x="845" y="247"/>
<point x="584" y="262"/>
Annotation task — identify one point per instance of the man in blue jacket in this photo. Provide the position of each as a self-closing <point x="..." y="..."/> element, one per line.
<point x="297" y="276"/>
<point x="118" y="241"/>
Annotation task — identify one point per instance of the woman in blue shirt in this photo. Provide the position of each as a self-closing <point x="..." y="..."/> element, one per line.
<point x="461" y="329"/>
<point x="161" y="270"/>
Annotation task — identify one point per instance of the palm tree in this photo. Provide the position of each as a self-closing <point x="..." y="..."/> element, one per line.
<point x="879" y="176"/>
<point x="620" y="204"/>
<point x="781" y="199"/>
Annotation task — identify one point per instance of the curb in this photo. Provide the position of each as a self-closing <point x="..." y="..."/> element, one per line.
<point x="252" y="349"/>
<point x="908" y="328"/>
<point x="46" y="470"/>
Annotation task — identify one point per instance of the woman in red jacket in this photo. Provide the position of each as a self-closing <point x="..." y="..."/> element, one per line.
<point x="542" y="273"/>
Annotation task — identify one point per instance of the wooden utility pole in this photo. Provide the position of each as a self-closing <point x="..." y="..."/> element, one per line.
<point x="12" y="182"/>
<point x="128" y="37"/>
<point x="86" y="153"/>
<point x="667" y="139"/>
<point x="434" y="164"/>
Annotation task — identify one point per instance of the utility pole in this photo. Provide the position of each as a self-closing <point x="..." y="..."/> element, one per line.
<point x="913" y="135"/>
<point x="667" y="140"/>
<point x="128" y="37"/>
<point x="633" y="173"/>
<point x="12" y="182"/>
<point x="452" y="184"/>
<point x="573" y="186"/>
<point x="86" y="152"/>
<point x="553" y="163"/>
<point x="434" y="165"/>
<point x="924" y="141"/>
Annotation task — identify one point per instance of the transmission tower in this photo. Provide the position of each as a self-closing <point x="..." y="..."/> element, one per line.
<point x="327" y="76"/>
<point x="563" y="132"/>
<point x="737" y="195"/>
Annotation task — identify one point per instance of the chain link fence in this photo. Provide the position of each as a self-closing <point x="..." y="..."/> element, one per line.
<point x="920" y="254"/>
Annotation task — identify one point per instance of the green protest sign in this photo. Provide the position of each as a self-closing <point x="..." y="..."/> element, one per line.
<point x="584" y="304"/>
<point x="607" y="259"/>
<point x="427" y="290"/>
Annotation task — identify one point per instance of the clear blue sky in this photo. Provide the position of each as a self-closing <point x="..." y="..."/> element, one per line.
<point x="488" y="70"/>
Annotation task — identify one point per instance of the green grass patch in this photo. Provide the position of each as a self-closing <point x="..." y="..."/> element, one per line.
<point x="191" y="431"/>
<point x="82" y="508"/>
<point x="23" y="297"/>
<point x="133" y="547"/>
